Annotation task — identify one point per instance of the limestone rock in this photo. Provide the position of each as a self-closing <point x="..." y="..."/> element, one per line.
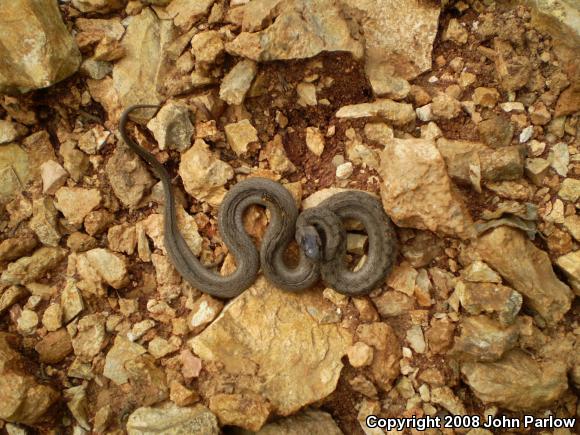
<point x="14" y="170"/>
<point x="483" y="339"/>
<point x="291" y="359"/>
<point x="517" y="382"/>
<point x="315" y="140"/>
<point x="310" y="422"/>
<point x="44" y="221"/>
<point x="207" y="47"/>
<point x="12" y="295"/>
<point x="444" y="396"/>
<point x="122" y="351"/>
<point x="248" y="410"/>
<point x="75" y="161"/>
<point x="570" y="190"/>
<point x="90" y="337"/>
<point x="71" y="301"/>
<point x="98" y="6"/>
<point x="455" y="32"/>
<point x="15" y="247"/>
<point x="172" y="420"/>
<point x="128" y="176"/>
<point x="409" y="42"/>
<point x="185" y="12"/>
<point x="54" y="347"/>
<point x="570" y="264"/>
<point x="52" y="317"/>
<point x="53" y="176"/>
<point x="24" y="400"/>
<point x="38" y="54"/>
<point x="528" y="270"/>
<point x="237" y="81"/>
<point x="378" y="132"/>
<point x="203" y="174"/>
<point x="387" y="110"/>
<point x="76" y="202"/>
<point x="360" y="354"/>
<point x="10" y="131"/>
<point x="275" y="154"/>
<point x="482" y="297"/>
<point x="317" y="26"/>
<point x="29" y="269"/>
<point x="496" y="131"/>
<point x="99" y="266"/>
<point x="27" y="322"/>
<point x="386" y="349"/>
<point x="444" y="106"/>
<point x="414" y="177"/>
<point x="240" y="134"/>
<point x="172" y="127"/>
<point x="136" y="76"/>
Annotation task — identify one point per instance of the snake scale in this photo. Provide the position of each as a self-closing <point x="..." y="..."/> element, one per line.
<point x="319" y="232"/>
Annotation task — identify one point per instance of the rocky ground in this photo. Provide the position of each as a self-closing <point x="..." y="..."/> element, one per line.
<point x="462" y="116"/>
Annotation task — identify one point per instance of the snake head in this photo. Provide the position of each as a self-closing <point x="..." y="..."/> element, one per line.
<point x="309" y="241"/>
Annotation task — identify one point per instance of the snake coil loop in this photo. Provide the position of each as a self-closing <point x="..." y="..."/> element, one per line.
<point x="319" y="232"/>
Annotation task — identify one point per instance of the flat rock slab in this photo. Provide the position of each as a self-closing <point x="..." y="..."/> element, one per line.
<point x="528" y="270"/>
<point x="517" y="382"/>
<point x="271" y="344"/>
<point x="397" y="33"/>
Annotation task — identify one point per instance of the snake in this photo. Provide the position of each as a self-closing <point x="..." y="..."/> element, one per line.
<point x="319" y="232"/>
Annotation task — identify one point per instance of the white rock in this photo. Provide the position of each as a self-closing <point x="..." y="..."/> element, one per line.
<point x="344" y="170"/>
<point x="237" y="81"/>
<point x="526" y="134"/>
<point x="53" y="176"/>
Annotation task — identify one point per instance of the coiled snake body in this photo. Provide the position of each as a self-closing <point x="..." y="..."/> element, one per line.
<point x="319" y="232"/>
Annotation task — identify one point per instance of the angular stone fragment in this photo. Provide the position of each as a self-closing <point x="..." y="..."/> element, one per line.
<point x="76" y="202"/>
<point x="53" y="176"/>
<point x="128" y="176"/>
<point x="248" y="410"/>
<point x="482" y="297"/>
<point x="317" y="26"/>
<point x="44" y="221"/>
<point x="54" y="347"/>
<point x="24" y="400"/>
<point x="172" y="127"/>
<point x="98" y="6"/>
<point x="310" y="422"/>
<point x="387" y="110"/>
<point x="136" y="76"/>
<point x="237" y="81"/>
<point x="203" y="174"/>
<point x="185" y="12"/>
<point x="483" y="339"/>
<point x="14" y="170"/>
<point x="414" y="178"/>
<point x="387" y="352"/>
<point x="309" y="364"/>
<point x="570" y="264"/>
<point x="240" y="135"/>
<point x="528" y="270"/>
<point x="408" y="44"/>
<point x="71" y="301"/>
<point x="10" y="131"/>
<point x="122" y="350"/>
<point x="90" y="337"/>
<point x="173" y="420"/>
<point x="29" y="269"/>
<point x="517" y="382"/>
<point x="38" y="54"/>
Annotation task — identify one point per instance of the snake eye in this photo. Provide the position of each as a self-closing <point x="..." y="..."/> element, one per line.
<point x="309" y="241"/>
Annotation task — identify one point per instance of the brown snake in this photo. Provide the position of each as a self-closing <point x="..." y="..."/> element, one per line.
<point x="318" y="231"/>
